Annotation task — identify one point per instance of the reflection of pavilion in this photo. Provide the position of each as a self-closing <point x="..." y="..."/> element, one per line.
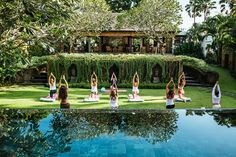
<point x="125" y="41"/>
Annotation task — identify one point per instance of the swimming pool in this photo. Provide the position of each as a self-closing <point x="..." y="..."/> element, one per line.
<point x="152" y="133"/>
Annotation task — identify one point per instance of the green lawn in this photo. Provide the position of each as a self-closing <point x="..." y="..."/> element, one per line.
<point x="28" y="97"/>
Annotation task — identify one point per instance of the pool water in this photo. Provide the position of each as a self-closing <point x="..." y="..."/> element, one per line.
<point x="105" y="133"/>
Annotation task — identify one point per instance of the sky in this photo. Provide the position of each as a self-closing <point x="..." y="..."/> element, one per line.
<point x="187" y="21"/>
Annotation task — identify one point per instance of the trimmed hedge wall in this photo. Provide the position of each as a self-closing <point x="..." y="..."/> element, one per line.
<point x="127" y="65"/>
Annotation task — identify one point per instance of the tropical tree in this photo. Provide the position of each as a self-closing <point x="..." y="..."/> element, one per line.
<point x="195" y="34"/>
<point x="206" y="6"/>
<point x="155" y="18"/>
<point x="22" y="24"/>
<point x="228" y="6"/>
<point x="45" y="23"/>
<point x="227" y="33"/>
<point x="193" y="9"/>
<point x="89" y="16"/>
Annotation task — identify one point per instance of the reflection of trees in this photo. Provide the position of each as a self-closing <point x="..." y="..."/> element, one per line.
<point x="155" y="126"/>
<point x="224" y="117"/>
<point x="20" y="134"/>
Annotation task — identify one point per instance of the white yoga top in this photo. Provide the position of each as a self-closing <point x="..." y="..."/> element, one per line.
<point x="53" y="87"/>
<point x="215" y="99"/>
<point x="169" y="101"/>
<point x="114" y="103"/>
<point x="135" y="89"/>
<point x="94" y="89"/>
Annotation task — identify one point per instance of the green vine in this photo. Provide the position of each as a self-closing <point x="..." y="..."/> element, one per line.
<point x="127" y="65"/>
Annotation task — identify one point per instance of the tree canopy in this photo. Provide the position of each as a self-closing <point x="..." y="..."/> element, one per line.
<point x="155" y="18"/>
<point x="24" y="24"/>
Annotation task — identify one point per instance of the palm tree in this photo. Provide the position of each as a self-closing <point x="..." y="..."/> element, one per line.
<point x="193" y="9"/>
<point x="206" y="6"/>
<point x="231" y="4"/>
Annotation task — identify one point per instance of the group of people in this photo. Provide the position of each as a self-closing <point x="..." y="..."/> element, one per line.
<point x="170" y="91"/>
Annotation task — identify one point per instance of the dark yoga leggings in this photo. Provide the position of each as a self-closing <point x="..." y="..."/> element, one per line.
<point x="52" y="92"/>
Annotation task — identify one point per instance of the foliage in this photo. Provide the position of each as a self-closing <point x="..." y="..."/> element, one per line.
<point x="120" y="85"/>
<point x="37" y="27"/>
<point x="193" y="9"/>
<point x="206" y="6"/>
<point x="228" y="7"/>
<point x="196" y="7"/>
<point x="127" y="65"/>
<point x="189" y="49"/>
<point x="121" y="5"/>
<point x="155" y="18"/>
<point x="195" y="63"/>
<point x="220" y="28"/>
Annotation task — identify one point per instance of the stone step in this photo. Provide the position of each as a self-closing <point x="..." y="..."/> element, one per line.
<point x="40" y="77"/>
<point x="39" y="80"/>
<point x="33" y="83"/>
<point x="194" y="84"/>
<point x="192" y="81"/>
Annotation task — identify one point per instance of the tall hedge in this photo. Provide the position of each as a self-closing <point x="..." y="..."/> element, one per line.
<point x="127" y="65"/>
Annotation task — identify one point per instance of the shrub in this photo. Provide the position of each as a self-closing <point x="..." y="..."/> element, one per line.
<point x="127" y="65"/>
<point x="189" y="49"/>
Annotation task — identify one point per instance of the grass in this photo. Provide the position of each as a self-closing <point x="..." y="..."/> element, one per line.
<point x="28" y="97"/>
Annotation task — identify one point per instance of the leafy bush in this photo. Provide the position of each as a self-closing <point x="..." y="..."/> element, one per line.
<point x="127" y="65"/>
<point x="189" y="49"/>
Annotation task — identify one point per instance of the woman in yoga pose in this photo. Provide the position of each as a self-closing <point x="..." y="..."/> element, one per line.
<point x="135" y="90"/>
<point x="216" y="95"/>
<point x="63" y="93"/>
<point x="94" y="88"/>
<point x="170" y="94"/>
<point x="114" y="97"/>
<point x="181" y="84"/>
<point x="52" y="84"/>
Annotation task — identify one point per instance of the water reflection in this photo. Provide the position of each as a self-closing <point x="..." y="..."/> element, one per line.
<point x="223" y="118"/>
<point x="20" y="134"/>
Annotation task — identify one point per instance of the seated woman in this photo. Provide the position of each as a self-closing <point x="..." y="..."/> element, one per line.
<point x="114" y="98"/>
<point x="170" y="94"/>
<point x="135" y="90"/>
<point x="52" y="83"/>
<point x="113" y="79"/>
<point x="94" y="89"/>
<point x="63" y="93"/>
<point x="181" y="84"/>
<point x="216" y="95"/>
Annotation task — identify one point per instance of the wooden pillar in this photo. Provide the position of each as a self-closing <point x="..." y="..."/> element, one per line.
<point x="101" y="44"/>
<point x="173" y="45"/>
<point x="130" y="44"/>
<point x="89" y="44"/>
